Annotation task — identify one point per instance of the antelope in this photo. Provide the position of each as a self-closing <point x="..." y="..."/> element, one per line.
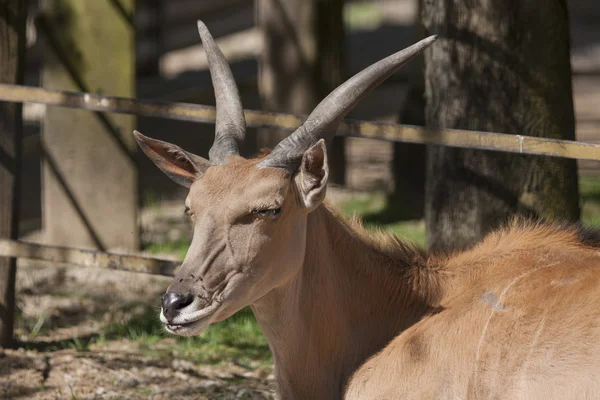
<point x="358" y="315"/>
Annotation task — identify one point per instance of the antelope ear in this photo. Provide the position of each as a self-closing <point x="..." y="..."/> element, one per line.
<point x="314" y="172"/>
<point x="179" y="165"/>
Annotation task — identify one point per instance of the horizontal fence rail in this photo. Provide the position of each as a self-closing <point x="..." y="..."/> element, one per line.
<point x="87" y="258"/>
<point x="353" y="128"/>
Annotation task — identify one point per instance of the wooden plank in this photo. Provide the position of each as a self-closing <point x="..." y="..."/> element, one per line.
<point x="180" y="12"/>
<point x="87" y="258"/>
<point x="259" y="119"/>
<point x="178" y="29"/>
<point x="181" y="35"/>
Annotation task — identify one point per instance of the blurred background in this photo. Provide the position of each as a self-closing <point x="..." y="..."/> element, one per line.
<point x="513" y="67"/>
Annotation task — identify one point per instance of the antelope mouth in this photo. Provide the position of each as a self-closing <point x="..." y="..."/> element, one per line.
<point x="199" y="315"/>
<point x="191" y="322"/>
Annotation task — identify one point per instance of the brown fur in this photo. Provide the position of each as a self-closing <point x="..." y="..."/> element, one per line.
<point x="520" y="318"/>
<point x="358" y="315"/>
<point x="434" y="309"/>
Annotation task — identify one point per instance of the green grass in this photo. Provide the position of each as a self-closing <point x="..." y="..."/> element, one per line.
<point x="368" y="206"/>
<point x="178" y="248"/>
<point x="589" y="197"/>
<point x="238" y="339"/>
<point x="362" y="15"/>
<point x="376" y="204"/>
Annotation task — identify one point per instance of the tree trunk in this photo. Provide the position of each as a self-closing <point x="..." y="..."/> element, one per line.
<point x="13" y="14"/>
<point x="503" y="66"/>
<point x="301" y="63"/>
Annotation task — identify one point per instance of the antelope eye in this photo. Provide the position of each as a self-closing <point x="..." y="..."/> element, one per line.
<point x="272" y="212"/>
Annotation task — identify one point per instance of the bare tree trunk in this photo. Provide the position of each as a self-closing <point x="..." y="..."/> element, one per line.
<point x="302" y="62"/>
<point x="13" y="14"/>
<point x="503" y="66"/>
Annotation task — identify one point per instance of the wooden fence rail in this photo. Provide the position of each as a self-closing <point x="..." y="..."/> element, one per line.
<point x="258" y="119"/>
<point x="87" y="258"/>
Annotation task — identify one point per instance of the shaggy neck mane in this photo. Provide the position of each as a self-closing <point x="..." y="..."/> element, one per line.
<point x="354" y="293"/>
<point x="397" y="256"/>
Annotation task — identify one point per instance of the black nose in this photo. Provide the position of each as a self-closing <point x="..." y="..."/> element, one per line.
<point x="173" y="303"/>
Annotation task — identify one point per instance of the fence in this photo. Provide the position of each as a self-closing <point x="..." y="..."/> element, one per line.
<point x="206" y="114"/>
<point x="259" y="119"/>
<point x="87" y="258"/>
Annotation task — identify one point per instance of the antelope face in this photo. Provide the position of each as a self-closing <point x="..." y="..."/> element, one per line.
<point x="250" y="216"/>
<point x="249" y="231"/>
<point x="248" y="238"/>
<point x="249" y="234"/>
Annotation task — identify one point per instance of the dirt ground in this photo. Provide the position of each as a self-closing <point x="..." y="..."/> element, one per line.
<point x="77" y="303"/>
<point x="72" y="302"/>
<point x="120" y="373"/>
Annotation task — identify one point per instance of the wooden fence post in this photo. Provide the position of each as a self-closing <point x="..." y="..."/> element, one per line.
<point x="12" y="49"/>
<point x="89" y="181"/>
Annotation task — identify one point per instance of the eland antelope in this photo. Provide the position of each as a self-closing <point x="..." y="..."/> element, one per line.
<point x="357" y="315"/>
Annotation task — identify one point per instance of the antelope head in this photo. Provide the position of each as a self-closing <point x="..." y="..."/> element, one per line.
<point x="250" y="216"/>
